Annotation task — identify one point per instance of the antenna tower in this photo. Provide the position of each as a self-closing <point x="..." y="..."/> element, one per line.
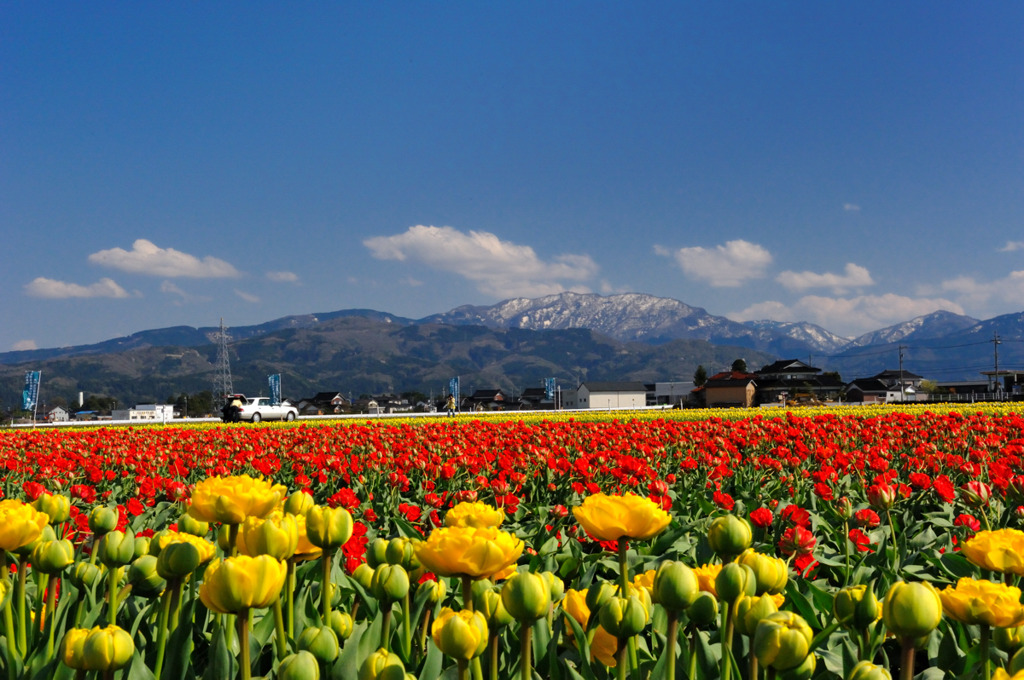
<point x="222" y="378"/>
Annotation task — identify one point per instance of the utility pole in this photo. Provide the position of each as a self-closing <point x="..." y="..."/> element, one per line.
<point x="903" y="394"/>
<point x="995" y="351"/>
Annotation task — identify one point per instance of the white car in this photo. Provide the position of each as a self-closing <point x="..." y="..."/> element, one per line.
<point x="256" y="409"/>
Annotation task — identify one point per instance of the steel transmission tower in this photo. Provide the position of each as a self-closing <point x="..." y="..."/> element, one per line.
<point x="222" y="378"/>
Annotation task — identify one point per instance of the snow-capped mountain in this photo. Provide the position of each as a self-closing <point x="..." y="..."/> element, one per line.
<point x="934" y="325"/>
<point x="637" y="317"/>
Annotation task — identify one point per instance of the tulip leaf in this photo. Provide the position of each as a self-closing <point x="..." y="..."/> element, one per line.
<point x="138" y="670"/>
<point x="580" y="638"/>
<point x="220" y="663"/>
<point x="178" y="662"/>
<point x="263" y="629"/>
<point x="432" y="664"/>
<point x="347" y="665"/>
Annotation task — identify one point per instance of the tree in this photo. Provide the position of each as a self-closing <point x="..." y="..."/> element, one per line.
<point x="700" y="376"/>
<point x="739" y="366"/>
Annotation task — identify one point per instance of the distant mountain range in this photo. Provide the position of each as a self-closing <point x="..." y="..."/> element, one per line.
<point x="512" y="345"/>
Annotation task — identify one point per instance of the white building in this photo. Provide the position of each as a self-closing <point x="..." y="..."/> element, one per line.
<point x="151" y="412"/>
<point x="57" y="415"/>
<point x="626" y="394"/>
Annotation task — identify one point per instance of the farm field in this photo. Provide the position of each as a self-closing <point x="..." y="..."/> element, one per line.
<point x="854" y="543"/>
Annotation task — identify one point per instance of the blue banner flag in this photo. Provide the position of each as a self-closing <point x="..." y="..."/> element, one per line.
<point x="549" y="388"/>
<point x="275" y="388"/>
<point x="453" y="388"/>
<point x="31" y="392"/>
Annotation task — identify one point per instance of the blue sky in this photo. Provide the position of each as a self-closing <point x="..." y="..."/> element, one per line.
<point x="850" y="164"/>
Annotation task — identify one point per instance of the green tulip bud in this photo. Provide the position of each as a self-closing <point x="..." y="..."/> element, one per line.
<point x="47" y="534"/>
<point x="802" y="672"/>
<point x="224" y="538"/>
<point x="116" y="549"/>
<point x="187" y="524"/>
<point x="1008" y="640"/>
<point x="342" y="624"/>
<point x="437" y="590"/>
<point x="461" y="635"/>
<point x="911" y="610"/>
<point x="363" y="575"/>
<point x="377" y="552"/>
<point x="53" y="557"/>
<point x="729" y="535"/>
<point x="299" y="666"/>
<point x="298" y="503"/>
<point x="623" y="617"/>
<point x="55" y="506"/>
<point x="703" y="613"/>
<point x="145" y="578"/>
<point x="402" y="550"/>
<point x="141" y="546"/>
<point x="751" y="610"/>
<point x="321" y="643"/>
<point x="555" y="585"/>
<point x="382" y="665"/>
<point x="526" y="596"/>
<point x="1017" y="662"/>
<point x="856" y="607"/>
<point x="599" y="593"/>
<point x="328" y="527"/>
<point x="107" y="649"/>
<point x="85" y="575"/>
<point x="675" y="586"/>
<point x="102" y="519"/>
<point x="865" y="670"/>
<point x="178" y="560"/>
<point x="733" y="580"/>
<point x="771" y="572"/>
<point x="782" y="640"/>
<point x="390" y="582"/>
<point x="488" y="602"/>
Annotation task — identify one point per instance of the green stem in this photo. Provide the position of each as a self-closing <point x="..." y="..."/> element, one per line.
<point x="325" y="588"/>
<point x="525" y="663"/>
<point x="233" y="540"/>
<point x="406" y="627"/>
<point x="728" y="626"/>
<point x="290" y="594"/>
<point x="423" y="631"/>
<point x="492" y="653"/>
<point x="385" y="628"/>
<point x="22" y="596"/>
<point x="112" y="578"/>
<point x="986" y="662"/>
<point x="51" y="608"/>
<point x="161" y="634"/>
<point x="754" y="667"/>
<point x="9" y="628"/>
<point x="282" y="641"/>
<point x="244" y="657"/>
<point x="463" y="669"/>
<point x="846" y="551"/>
<point x="620" y="660"/>
<point x="692" y="648"/>
<point x="623" y="567"/>
<point x="907" y="659"/>
<point x="467" y="593"/>
<point x="671" y="639"/>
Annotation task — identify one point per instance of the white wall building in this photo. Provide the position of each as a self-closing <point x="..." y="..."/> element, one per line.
<point x="630" y="394"/>
<point x="151" y="412"/>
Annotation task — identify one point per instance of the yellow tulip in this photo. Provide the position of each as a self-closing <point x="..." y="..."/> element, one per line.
<point x="71" y="648"/>
<point x="460" y="635"/>
<point x="603" y="644"/>
<point x="277" y="536"/>
<point x="1000" y="550"/>
<point x="911" y="610"/>
<point x="1000" y="674"/>
<point x="20" y="524"/>
<point x="983" y="602"/>
<point x="707" y="574"/>
<point x="328" y="527"/>
<point x="466" y="551"/>
<point x="609" y="518"/>
<point x="230" y="500"/>
<point x="241" y="582"/>
<point x="107" y="649"/>
<point x="476" y="514"/>
<point x="304" y="548"/>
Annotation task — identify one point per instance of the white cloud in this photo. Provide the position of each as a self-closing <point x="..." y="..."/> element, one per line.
<point x="283" y="277"/>
<point x="727" y="265"/>
<point x="971" y="292"/>
<point x="24" y="345"/>
<point x="851" y="207"/>
<point x="1012" y="246"/>
<point x="498" y="268"/>
<point x="248" y="297"/>
<point x="147" y="258"/>
<point x="855" y="276"/>
<point x="50" y="288"/>
<point x="848" y="316"/>
<point x="172" y="289"/>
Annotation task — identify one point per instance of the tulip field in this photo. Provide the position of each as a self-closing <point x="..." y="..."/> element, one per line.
<point x="859" y="544"/>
